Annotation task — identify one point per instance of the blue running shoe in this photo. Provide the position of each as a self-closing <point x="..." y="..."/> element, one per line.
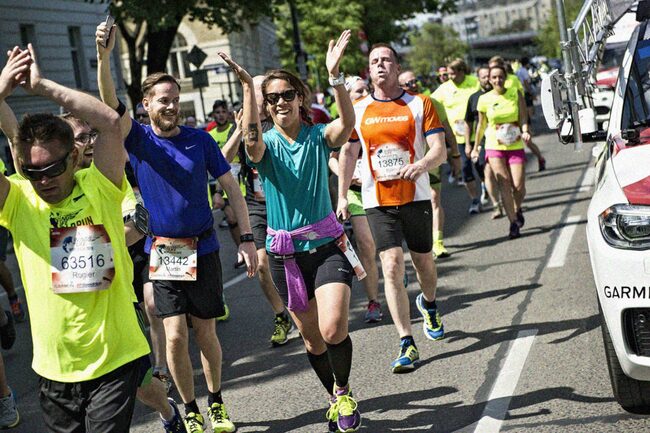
<point x="176" y="425"/>
<point x="432" y="324"/>
<point x="407" y="358"/>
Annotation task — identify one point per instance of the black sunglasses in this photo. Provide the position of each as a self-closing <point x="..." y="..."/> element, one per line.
<point x="287" y="95"/>
<point x="51" y="171"/>
<point x="410" y="83"/>
<point x="142" y="115"/>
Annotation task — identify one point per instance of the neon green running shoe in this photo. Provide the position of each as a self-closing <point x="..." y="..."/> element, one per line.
<point x="193" y="422"/>
<point x="282" y="328"/>
<point x="439" y="249"/>
<point x="219" y="419"/>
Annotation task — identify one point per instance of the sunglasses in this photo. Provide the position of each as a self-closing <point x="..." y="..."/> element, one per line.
<point x="86" y="138"/>
<point x="51" y="171"/>
<point x="410" y="83"/>
<point x="142" y="115"/>
<point x="287" y="95"/>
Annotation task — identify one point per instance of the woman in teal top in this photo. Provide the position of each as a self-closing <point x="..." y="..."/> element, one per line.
<point x="504" y="112"/>
<point x="292" y="160"/>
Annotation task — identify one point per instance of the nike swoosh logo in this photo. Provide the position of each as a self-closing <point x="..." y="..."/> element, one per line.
<point x="77" y="198"/>
<point x="189" y="147"/>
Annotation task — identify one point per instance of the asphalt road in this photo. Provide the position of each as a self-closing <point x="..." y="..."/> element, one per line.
<point x="523" y="350"/>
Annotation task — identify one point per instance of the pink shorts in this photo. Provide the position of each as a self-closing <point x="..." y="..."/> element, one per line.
<point x="512" y="157"/>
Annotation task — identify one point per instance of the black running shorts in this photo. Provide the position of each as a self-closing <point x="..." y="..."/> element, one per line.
<point x="258" y="227"/>
<point x="391" y="225"/>
<point x="326" y="265"/>
<point x="104" y="404"/>
<point x="202" y="298"/>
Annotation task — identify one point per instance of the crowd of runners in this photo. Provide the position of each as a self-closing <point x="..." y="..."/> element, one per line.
<point x="113" y="223"/>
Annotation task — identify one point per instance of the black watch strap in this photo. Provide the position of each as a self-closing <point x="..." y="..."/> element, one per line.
<point x="247" y="237"/>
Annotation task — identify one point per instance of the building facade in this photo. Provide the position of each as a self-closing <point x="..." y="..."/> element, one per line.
<point x="63" y="34"/>
<point x="255" y="48"/>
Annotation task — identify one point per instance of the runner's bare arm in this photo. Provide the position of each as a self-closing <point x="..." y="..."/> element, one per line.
<point x="450" y="141"/>
<point x="104" y="78"/>
<point x="109" y="155"/>
<point x="9" y="126"/>
<point x="251" y="125"/>
<point x="246" y="249"/>
<point x="480" y="130"/>
<point x="347" y="160"/>
<point x="437" y="153"/>
<point x="132" y="234"/>
<point x="13" y="73"/>
<point x="231" y="147"/>
<point x="523" y="120"/>
<point x="338" y="131"/>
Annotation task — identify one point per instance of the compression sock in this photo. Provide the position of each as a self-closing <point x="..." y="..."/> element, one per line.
<point x="191" y="407"/>
<point x="340" y="357"/>
<point x="321" y="365"/>
<point x="214" y="397"/>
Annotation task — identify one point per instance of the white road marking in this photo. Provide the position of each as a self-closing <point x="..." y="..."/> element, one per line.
<point x="588" y="180"/>
<point x="234" y="281"/>
<point x="561" y="248"/>
<point x="504" y="387"/>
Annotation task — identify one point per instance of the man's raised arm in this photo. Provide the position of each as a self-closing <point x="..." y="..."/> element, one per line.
<point x="109" y="154"/>
<point x="104" y="78"/>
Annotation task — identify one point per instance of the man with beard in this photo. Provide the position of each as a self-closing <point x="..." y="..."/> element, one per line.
<point x="171" y="163"/>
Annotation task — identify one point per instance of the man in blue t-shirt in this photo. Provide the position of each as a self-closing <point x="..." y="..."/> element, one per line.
<point x="171" y="164"/>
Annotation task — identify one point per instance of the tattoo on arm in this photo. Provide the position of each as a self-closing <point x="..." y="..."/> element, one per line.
<point x="253" y="134"/>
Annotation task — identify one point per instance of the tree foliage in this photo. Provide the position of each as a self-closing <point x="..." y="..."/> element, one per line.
<point x="149" y="27"/>
<point x="548" y="39"/>
<point x="374" y="20"/>
<point x="434" y="45"/>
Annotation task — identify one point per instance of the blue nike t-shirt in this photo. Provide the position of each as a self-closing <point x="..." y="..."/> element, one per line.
<point x="294" y="177"/>
<point x="172" y="173"/>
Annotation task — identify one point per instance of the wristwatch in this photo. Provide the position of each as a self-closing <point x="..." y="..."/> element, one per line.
<point x="337" y="81"/>
<point x="247" y="237"/>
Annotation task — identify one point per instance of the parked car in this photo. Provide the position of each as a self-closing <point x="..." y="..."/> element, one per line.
<point x="618" y="229"/>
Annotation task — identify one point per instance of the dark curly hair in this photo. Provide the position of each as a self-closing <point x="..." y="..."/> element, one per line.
<point x="298" y="86"/>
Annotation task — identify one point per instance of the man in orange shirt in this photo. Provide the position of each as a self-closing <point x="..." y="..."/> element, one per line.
<point x="393" y="129"/>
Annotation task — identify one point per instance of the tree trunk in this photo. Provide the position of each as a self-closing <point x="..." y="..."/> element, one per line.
<point x="135" y="63"/>
<point x="159" y="45"/>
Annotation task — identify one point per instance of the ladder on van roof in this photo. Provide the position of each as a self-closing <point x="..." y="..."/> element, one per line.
<point x="566" y="97"/>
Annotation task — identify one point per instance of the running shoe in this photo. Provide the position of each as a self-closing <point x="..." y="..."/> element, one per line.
<point x="226" y="315"/>
<point x="374" y="314"/>
<point x="9" y="416"/>
<point x="165" y="379"/>
<point x="176" y="425"/>
<point x="344" y="411"/>
<point x="8" y="332"/>
<point x="432" y="325"/>
<point x="219" y="418"/>
<point x="514" y="230"/>
<point x="332" y="425"/>
<point x="541" y="164"/>
<point x="520" y="218"/>
<point x="17" y="310"/>
<point x="282" y="328"/>
<point x="439" y="249"/>
<point x="475" y="206"/>
<point x="485" y="198"/>
<point x="407" y="358"/>
<point x="223" y="224"/>
<point x="193" y="422"/>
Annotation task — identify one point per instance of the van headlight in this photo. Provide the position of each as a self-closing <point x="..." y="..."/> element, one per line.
<point x="626" y="226"/>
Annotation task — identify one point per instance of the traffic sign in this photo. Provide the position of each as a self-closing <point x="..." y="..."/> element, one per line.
<point x="200" y="79"/>
<point x="196" y="56"/>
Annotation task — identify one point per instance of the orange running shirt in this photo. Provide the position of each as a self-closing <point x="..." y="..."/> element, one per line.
<point x="393" y="134"/>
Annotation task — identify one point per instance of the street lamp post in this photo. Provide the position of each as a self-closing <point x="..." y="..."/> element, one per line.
<point x="301" y="61"/>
